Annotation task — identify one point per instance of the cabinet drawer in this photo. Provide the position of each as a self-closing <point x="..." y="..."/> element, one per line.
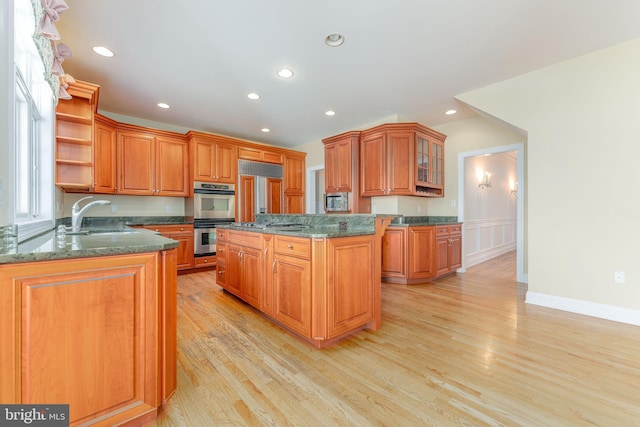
<point x="222" y="235"/>
<point x="455" y="229"/>
<point x="273" y="157"/>
<point x="292" y="246"/>
<point x="205" y="261"/>
<point x="244" y="238"/>
<point x="442" y="231"/>
<point x="177" y="228"/>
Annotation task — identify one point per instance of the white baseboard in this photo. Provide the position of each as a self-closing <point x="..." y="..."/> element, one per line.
<point x="602" y="311"/>
<point x="474" y="258"/>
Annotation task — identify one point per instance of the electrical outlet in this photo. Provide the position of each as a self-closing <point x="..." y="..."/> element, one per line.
<point x="168" y="207"/>
<point x="618" y="277"/>
<point x="454" y="203"/>
<point x="114" y="208"/>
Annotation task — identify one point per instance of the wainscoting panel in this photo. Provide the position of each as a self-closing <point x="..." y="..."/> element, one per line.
<point x="488" y="238"/>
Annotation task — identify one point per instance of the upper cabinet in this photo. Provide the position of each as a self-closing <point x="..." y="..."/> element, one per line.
<point x="152" y="163"/>
<point x="402" y="159"/>
<point x="260" y="155"/>
<point x="294" y="169"/>
<point x="104" y="155"/>
<point x="342" y="171"/>
<point x="213" y="159"/>
<point x="74" y="154"/>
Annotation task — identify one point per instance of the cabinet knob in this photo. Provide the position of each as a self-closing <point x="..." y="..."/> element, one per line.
<point x="220" y="271"/>
<point x="206" y="261"/>
<point x="289" y="246"/>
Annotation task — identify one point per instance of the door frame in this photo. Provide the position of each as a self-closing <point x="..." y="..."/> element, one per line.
<point x="520" y="197"/>
<point x="311" y="187"/>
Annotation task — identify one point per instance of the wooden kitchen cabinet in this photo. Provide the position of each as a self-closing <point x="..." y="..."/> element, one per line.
<point x="212" y="158"/>
<point x="342" y="169"/>
<point x="259" y="155"/>
<point x="402" y="159"/>
<point x="448" y="249"/>
<point x="104" y="156"/>
<point x="97" y="333"/>
<point x="183" y="234"/>
<point x="294" y="183"/>
<point x="321" y="289"/>
<point x="74" y="127"/>
<point x="152" y="163"/>
<point x="239" y="264"/>
<point x="292" y="283"/>
<point x="418" y="254"/>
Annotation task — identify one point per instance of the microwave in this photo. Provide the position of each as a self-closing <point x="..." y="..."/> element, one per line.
<point x="336" y="202"/>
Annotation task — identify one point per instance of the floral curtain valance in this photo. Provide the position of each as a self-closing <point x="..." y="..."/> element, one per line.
<point x="53" y="53"/>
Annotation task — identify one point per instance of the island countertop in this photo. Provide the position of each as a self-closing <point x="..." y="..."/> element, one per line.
<point x="100" y="242"/>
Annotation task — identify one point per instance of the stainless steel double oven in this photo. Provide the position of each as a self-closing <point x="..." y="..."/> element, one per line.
<point x="212" y="204"/>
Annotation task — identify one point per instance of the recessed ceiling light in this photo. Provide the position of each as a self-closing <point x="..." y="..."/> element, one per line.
<point x="450" y="112"/>
<point x="334" y="40"/>
<point x="101" y="50"/>
<point x="285" y="73"/>
<point x="330" y="113"/>
<point x="265" y="130"/>
<point x="253" y="95"/>
<point x="163" y="105"/>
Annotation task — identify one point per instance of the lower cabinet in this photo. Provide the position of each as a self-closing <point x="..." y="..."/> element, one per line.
<point x="97" y="333"/>
<point x="183" y="233"/>
<point x="321" y="289"/>
<point x="418" y="254"/>
<point x="448" y="249"/>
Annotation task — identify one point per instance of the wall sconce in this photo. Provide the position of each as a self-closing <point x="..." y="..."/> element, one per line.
<point x="513" y="186"/>
<point x="483" y="177"/>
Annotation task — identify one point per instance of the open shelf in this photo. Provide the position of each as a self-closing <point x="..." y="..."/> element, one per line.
<point x="72" y="140"/>
<point x="73" y="118"/>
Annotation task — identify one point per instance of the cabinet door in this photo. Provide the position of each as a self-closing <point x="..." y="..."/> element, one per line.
<point x="251" y="277"/>
<point x="292" y="287"/>
<point x="274" y="196"/>
<point x="400" y="163"/>
<point x="226" y="163"/>
<point x="394" y="262"/>
<point x="421" y="241"/>
<point x="88" y="335"/>
<point x="442" y="256"/>
<point x="185" y="249"/>
<point x="234" y="270"/>
<point x="455" y="254"/>
<point x="331" y="165"/>
<point x="204" y="155"/>
<point x="247" y="196"/>
<point x="344" y="166"/>
<point x="293" y="203"/>
<point x="373" y="170"/>
<point x="104" y="158"/>
<point x="136" y="163"/>
<point x="294" y="174"/>
<point x="172" y="178"/>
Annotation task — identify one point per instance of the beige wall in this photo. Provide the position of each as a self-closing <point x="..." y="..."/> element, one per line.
<point x="6" y="113"/>
<point x="127" y="205"/>
<point x="582" y="154"/>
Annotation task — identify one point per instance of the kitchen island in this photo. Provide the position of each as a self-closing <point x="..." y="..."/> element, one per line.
<point x="317" y="276"/>
<point x="90" y="320"/>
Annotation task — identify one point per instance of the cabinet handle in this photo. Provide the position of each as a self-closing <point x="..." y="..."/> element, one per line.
<point x="266" y="250"/>
<point x="273" y="266"/>
<point x="289" y="246"/>
<point x="220" y="271"/>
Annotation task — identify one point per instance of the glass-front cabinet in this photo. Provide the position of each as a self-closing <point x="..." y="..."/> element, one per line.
<point x="385" y="152"/>
<point x="429" y="164"/>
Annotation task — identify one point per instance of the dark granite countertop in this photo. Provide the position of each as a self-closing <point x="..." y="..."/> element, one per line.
<point x="407" y="221"/>
<point x="324" y="231"/>
<point x="101" y="242"/>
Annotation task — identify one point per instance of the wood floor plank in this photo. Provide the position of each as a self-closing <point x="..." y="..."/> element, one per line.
<point x="465" y="350"/>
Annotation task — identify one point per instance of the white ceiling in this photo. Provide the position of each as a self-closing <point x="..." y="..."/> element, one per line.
<point x="404" y="58"/>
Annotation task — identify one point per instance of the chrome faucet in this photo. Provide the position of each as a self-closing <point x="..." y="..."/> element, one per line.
<point x="77" y="214"/>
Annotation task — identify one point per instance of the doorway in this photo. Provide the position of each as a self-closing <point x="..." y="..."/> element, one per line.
<point x="464" y="198"/>
<point x="315" y="189"/>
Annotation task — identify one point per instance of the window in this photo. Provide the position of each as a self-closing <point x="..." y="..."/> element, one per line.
<point x="33" y="115"/>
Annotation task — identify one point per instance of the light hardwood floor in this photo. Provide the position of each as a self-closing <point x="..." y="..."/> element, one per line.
<point x="465" y="350"/>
